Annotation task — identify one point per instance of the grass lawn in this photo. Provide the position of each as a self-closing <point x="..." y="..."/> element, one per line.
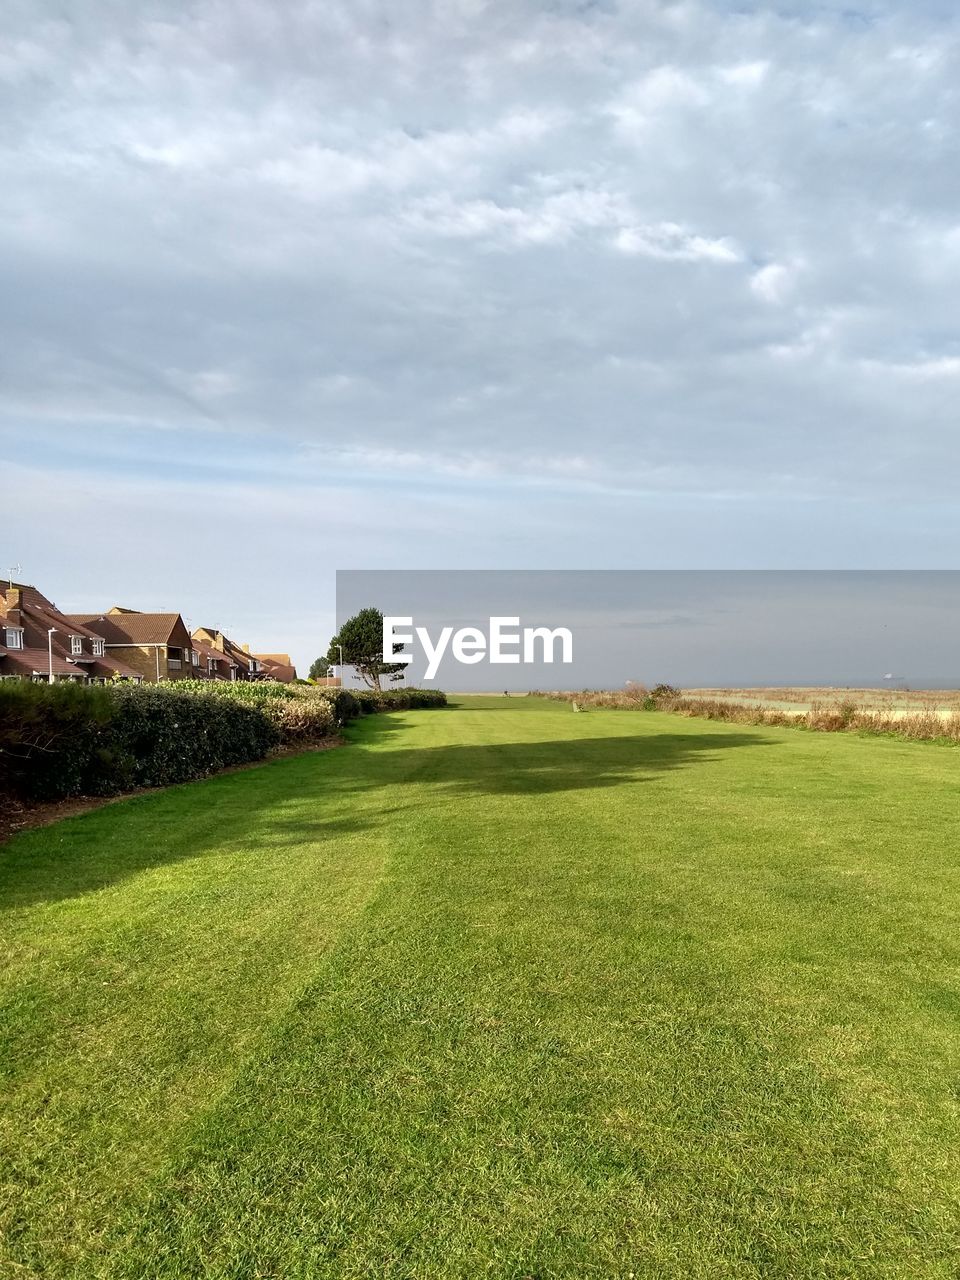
<point x="494" y="991"/>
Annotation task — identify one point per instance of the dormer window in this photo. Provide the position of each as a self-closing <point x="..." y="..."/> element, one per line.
<point x="98" y="648"/>
<point x="76" y="645"/>
<point x="14" y="637"/>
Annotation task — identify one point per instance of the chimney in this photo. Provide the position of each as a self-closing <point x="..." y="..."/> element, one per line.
<point x="245" y="648"/>
<point x="13" y="595"/>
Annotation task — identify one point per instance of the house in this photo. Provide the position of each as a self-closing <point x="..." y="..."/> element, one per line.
<point x="157" y="645"/>
<point x="214" y="663"/>
<point x="223" y="653"/>
<point x="37" y="640"/>
<point x="277" y="666"/>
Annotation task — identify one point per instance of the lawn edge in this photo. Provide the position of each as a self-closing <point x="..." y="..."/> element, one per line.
<point x="17" y="817"/>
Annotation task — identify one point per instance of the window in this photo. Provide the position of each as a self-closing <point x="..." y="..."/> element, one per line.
<point x="76" y="645"/>
<point x="98" y="648"/>
<point x="14" y="637"/>
<point x="194" y="657"/>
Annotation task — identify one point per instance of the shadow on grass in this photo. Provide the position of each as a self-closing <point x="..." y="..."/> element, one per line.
<point x="404" y="779"/>
<point x="327" y="797"/>
<point x="565" y="764"/>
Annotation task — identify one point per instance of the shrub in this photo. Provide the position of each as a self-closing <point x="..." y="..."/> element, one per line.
<point x="399" y="699"/>
<point x="59" y="740"/>
<point x="299" y="713"/>
<point x="345" y="704"/>
<point x="664" y="693"/>
<point x="50" y="736"/>
<point x="161" y="735"/>
<point x="301" y="720"/>
<point x="425" y="699"/>
<point x="65" y="740"/>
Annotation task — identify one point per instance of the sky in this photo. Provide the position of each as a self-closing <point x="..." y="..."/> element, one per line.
<point x="688" y="628"/>
<point x="292" y="288"/>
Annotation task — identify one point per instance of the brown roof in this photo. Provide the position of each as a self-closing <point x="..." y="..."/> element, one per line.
<point x="278" y="666"/>
<point x="110" y="667"/>
<point x="30" y="662"/>
<point x="233" y="651"/>
<point x="30" y="595"/>
<point x="207" y="651"/>
<point x="131" y="628"/>
<point x="37" y="616"/>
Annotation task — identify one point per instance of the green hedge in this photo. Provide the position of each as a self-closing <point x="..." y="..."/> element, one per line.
<point x="50" y="737"/>
<point x="67" y="740"/>
<point x="62" y="740"/>
<point x="400" y="699"/>
<point x="299" y="713"/>
<point x="324" y="709"/>
<point x="162" y="735"/>
<point x="345" y="703"/>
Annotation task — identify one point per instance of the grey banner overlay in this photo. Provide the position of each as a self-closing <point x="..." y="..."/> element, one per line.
<point x="688" y="628"/>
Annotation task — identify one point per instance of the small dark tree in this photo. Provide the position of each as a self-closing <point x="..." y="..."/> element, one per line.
<point x="320" y="668"/>
<point x="361" y="639"/>
<point x="665" y="693"/>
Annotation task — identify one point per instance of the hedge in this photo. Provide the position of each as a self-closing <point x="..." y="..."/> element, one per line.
<point x="50" y="736"/>
<point x="300" y="714"/>
<point x="62" y="740"/>
<point x="400" y="699"/>
<point x="67" y="740"/>
<point x="318" y="710"/>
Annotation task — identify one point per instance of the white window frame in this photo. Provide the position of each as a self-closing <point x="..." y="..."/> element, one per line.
<point x="76" y="646"/>
<point x="16" y="642"/>
<point x="99" y="648"/>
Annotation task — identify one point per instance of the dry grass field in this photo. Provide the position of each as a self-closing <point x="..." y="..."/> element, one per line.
<point x="801" y="699"/>
<point x="928" y="714"/>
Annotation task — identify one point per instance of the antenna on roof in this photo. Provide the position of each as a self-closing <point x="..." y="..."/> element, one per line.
<point x="13" y="571"/>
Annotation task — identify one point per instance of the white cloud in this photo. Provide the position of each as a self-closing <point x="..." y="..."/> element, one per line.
<point x="668" y="241"/>
<point x="712" y="241"/>
<point x="662" y="91"/>
<point x="745" y="75"/>
<point x="923" y="370"/>
<point x="773" y="282"/>
<point x="550" y="219"/>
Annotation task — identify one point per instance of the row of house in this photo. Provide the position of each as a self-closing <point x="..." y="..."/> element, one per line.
<point x="38" y="642"/>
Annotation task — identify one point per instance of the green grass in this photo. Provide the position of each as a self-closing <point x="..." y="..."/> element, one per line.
<point x="495" y="991"/>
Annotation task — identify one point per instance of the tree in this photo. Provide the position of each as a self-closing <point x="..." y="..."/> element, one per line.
<point x="320" y="668"/>
<point x="361" y="639"/>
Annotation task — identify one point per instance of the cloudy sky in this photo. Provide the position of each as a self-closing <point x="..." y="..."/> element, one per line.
<point x="295" y="287"/>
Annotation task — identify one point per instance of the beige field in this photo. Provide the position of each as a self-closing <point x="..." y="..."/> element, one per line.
<point x="893" y="702"/>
